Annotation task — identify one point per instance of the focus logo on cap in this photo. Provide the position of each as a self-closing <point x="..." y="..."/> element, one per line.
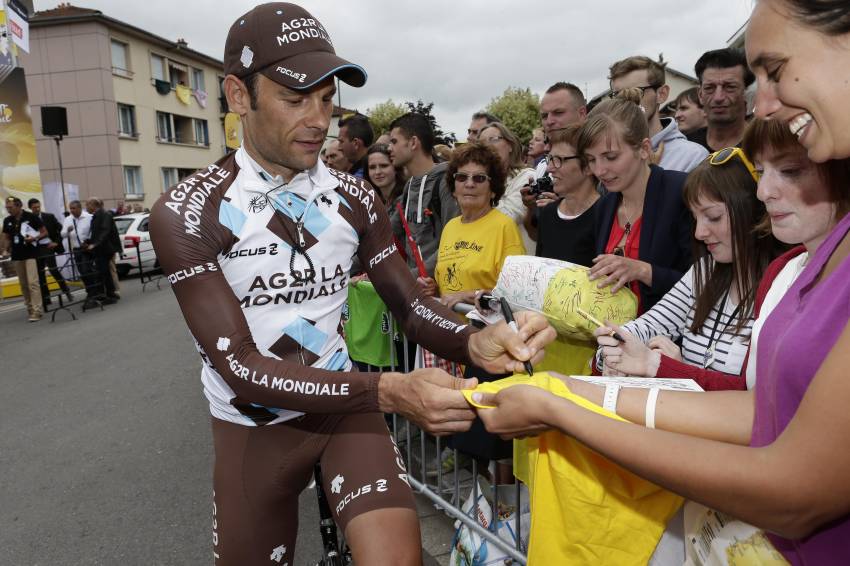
<point x="290" y="73"/>
<point x="247" y="57"/>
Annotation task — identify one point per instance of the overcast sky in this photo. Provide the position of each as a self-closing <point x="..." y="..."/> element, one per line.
<point x="459" y="54"/>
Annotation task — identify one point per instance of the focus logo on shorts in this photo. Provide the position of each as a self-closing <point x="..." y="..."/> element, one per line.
<point x="278" y="553"/>
<point x="382" y="255"/>
<point x="380" y="486"/>
<point x="191" y="272"/>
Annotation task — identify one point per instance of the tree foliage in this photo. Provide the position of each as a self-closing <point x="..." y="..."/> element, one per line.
<point x="439" y="135"/>
<point x="519" y="110"/>
<point x="382" y="115"/>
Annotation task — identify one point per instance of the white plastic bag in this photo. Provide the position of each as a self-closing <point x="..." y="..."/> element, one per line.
<point x="470" y="549"/>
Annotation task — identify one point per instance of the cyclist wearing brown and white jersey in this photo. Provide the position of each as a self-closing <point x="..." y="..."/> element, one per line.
<point x="258" y="247"/>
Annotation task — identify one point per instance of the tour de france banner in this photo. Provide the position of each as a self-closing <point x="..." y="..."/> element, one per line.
<point x="19" y="174"/>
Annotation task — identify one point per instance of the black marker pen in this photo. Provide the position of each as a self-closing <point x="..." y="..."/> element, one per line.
<point x="509" y="318"/>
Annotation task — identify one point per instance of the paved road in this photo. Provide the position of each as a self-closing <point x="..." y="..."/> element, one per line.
<point x="105" y="451"/>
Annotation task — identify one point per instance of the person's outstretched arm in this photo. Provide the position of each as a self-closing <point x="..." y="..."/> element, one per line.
<point x="790" y="487"/>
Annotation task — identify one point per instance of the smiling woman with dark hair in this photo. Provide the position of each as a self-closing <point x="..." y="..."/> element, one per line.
<point x="381" y="173"/>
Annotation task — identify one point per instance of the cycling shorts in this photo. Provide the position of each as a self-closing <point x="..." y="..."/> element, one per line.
<point x="260" y="472"/>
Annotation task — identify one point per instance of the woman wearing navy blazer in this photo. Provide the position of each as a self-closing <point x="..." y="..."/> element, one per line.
<point x="643" y="228"/>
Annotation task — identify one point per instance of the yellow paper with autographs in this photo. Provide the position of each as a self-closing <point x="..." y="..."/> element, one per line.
<point x="557" y="289"/>
<point x="586" y="510"/>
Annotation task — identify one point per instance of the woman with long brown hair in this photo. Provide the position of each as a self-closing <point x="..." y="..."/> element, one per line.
<point x="380" y="172"/>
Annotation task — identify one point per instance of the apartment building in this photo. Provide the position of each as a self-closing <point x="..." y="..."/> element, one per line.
<point x="143" y="111"/>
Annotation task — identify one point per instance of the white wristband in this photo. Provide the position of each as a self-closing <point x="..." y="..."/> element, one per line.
<point x="651" y="400"/>
<point x="612" y="391"/>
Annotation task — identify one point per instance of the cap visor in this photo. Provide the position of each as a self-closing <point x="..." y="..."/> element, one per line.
<point x="308" y="69"/>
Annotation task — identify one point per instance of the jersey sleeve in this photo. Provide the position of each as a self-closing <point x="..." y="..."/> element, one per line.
<point x="425" y="320"/>
<point x="188" y="253"/>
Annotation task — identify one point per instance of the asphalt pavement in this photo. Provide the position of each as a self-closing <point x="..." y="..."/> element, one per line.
<point x="105" y="445"/>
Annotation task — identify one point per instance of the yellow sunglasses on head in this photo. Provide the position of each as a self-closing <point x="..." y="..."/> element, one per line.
<point x="722" y="156"/>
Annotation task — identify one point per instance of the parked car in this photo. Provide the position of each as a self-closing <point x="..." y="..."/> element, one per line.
<point x="135" y="235"/>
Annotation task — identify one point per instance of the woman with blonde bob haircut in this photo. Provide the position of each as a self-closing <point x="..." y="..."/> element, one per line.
<point x="643" y="229"/>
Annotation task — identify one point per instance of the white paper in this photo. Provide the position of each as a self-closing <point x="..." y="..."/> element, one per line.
<point x="27" y="230"/>
<point x="713" y="538"/>
<point x="488" y="317"/>
<point x="642" y="382"/>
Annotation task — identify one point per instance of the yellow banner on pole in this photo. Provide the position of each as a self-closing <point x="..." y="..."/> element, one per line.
<point x="19" y="172"/>
<point x="232" y="133"/>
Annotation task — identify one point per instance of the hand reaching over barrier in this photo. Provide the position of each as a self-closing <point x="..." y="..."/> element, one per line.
<point x="515" y="412"/>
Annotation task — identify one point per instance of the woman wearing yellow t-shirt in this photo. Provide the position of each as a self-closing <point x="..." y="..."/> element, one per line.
<point x="474" y="245"/>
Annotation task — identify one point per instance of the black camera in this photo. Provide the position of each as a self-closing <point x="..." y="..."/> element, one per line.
<point x="540" y="186"/>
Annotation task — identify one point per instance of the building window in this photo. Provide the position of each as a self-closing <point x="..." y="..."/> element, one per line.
<point x="197" y="78"/>
<point x="181" y="129"/>
<point x="133" y="181"/>
<point x="127" y="120"/>
<point x="120" y="59"/>
<point x="202" y="135"/>
<point x="222" y="100"/>
<point x="164" y="127"/>
<point x="169" y="178"/>
<point x="178" y="73"/>
<point x="157" y="67"/>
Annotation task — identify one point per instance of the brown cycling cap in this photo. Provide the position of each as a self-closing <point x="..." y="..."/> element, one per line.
<point x="288" y="45"/>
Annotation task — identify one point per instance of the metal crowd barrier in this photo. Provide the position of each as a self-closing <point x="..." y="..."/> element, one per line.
<point x="154" y="275"/>
<point x="447" y="491"/>
<point x="76" y="273"/>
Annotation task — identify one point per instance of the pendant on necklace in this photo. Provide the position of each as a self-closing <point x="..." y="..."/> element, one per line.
<point x="299" y="226"/>
<point x="708" y="357"/>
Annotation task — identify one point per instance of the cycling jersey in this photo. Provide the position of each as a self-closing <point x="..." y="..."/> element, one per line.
<point x="260" y="270"/>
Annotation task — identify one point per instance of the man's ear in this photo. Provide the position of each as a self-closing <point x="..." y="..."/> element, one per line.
<point x="238" y="98"/>
<point x="703" y="99"/>
<point x="414" y="143"/>
<point x="661" y="94"/>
